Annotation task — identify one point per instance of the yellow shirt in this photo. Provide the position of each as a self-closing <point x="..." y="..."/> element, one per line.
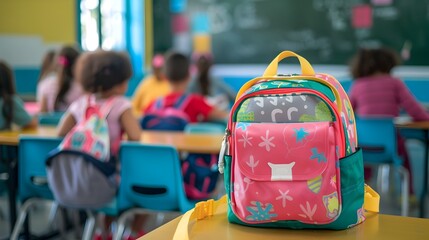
<point x="148" y="90"/>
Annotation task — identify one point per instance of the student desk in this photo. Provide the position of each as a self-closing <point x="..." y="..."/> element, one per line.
<point x="421" y="126"/>
<point x="376" y="226"/>
<point x="198" y="143"/>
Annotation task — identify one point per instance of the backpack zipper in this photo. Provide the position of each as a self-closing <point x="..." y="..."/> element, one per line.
<point x="224" y="150"/>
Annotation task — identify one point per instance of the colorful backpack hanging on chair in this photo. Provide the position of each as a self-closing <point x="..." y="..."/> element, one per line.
<point x="290" y="153"/>
<point x="81" y="171"/>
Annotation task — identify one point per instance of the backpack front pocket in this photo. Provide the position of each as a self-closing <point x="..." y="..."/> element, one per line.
<point x="285" y="171"/>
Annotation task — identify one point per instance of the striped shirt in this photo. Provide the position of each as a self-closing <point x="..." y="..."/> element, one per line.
<point x="384" y="95"/>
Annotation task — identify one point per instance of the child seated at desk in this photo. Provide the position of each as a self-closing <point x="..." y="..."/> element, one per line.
<point x="196" y="109"/>
<point x="11" y="106"/>
<point x="375" y="92"/>
<point x="57" y="92"/>
<point x="105" y="75"/>
<point x="178" y="77"/>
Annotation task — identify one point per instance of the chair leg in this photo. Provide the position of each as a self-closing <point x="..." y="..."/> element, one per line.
<point x="405" y="190"/>
<point x="89" y="226"/>
<point x="61" y="220"/>
<point x="383" y="178"/>
<point x="121" y="224"/>
<point x="52" y="213"/>
<point x="22" y="216"/>
<point x="160" y="217"/>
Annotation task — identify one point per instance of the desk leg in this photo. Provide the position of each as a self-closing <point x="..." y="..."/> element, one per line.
<point x="12" y="184"/>
<point x="425" y="176"/>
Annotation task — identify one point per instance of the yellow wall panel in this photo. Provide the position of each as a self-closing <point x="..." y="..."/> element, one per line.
<point x="53" y="20"/>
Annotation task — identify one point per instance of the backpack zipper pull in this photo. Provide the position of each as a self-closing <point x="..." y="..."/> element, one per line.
<point x="224" y="150"/>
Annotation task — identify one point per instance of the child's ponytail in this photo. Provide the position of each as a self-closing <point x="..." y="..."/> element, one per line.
<point x="7" y="90"/>
<point x="66" y="60"/>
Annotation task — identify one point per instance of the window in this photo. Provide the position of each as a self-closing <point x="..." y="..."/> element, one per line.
<point x="102" y="23"/>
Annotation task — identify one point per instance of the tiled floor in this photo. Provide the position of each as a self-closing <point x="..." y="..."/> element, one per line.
<point x="390" y="203"/>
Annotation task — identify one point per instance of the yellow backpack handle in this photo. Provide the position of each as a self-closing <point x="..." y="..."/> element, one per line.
<point x="271" y="70"/>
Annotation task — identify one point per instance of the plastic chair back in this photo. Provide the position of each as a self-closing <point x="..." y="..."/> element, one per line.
<point x="206" y="128"/>
<point x="377" y="137"/>
<point x="32" y="174"/>
<point x="151" y="178"/>
<point x="50" y="119"/>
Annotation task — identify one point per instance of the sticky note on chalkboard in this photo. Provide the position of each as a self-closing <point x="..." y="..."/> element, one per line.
<point x="180" y="23"/>
<point x="178" y="6"/>
<point x="202" y="43"/>
<point x="362" y="16"/>
<point x="381" y="2"/>
<point x="200" y="23"/>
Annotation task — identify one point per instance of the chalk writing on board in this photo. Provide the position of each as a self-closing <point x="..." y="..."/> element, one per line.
<point x="325" y="31"/>
<point x="387" y="13"/>
<point x="246" y="17"/>
<point x="220" y="19"/>
<point x="335" y="10"/>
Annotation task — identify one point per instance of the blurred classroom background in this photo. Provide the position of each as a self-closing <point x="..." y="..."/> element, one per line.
<point x="242" y="36"/>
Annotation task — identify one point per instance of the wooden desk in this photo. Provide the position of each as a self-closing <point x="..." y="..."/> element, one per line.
<point x="11" y="138"/>
<point x="199" y="143"/>
<point x="422" y="126"/>
<point x="376" y="226"/>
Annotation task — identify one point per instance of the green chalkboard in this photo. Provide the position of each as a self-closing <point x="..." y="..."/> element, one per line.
<point x="162" y="32"/>
<point x="324" y="31"/>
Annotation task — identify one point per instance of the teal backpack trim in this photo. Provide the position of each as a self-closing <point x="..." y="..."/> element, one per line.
<point x="352" y="192"/>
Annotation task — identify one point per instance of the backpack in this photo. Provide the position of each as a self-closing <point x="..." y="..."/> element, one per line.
<point x="290" y="153"/>
<point x="81" y="170"/>
<point x="163" y="118"/>
<point x="200" y="174"/>
<point x="199" y="171"/>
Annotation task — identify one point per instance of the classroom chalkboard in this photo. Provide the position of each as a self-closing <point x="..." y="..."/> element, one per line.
<point x="162" y="32"/>
<point x="323" y="31"/>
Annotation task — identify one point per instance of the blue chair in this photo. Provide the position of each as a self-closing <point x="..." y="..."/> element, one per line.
<point x="151" y="182"/>
<point x="50" y="119"/>
<point x="206" y="127"/>
<point x="377" y="138"/>
<point x="33" y="185"/>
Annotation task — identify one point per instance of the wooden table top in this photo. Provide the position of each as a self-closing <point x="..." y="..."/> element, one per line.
<point x="200" y="143"/>
<point x="423" y="125"/>
<point x="376" y="226"/>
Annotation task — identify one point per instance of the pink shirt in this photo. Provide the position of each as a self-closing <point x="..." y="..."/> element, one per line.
<point x="384" y="95"/>
<point x="119" y="105"/>
<point x="48" y="89"/>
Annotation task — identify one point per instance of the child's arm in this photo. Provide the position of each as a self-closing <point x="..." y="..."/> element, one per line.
<point x="20" y="116"/>
<point x="131" y="126"/>
<point x="66" y="124"/>
<point x="43" y="104"/>
<point x="410" y="103"/>
<point x="217" y="114"/>
<point x="32" y="123"/>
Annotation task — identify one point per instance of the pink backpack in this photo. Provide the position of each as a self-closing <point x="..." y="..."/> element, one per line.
<point x="290" y="153"/>
<point x="81" y="170"/>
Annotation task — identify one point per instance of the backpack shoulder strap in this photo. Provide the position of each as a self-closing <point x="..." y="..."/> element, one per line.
<point x="107" y="106"/>
<point x="90" y="106"/>
<point x="159" y="103"/>
<point x="182" y="102"/>
<point x="202" y="210"/>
